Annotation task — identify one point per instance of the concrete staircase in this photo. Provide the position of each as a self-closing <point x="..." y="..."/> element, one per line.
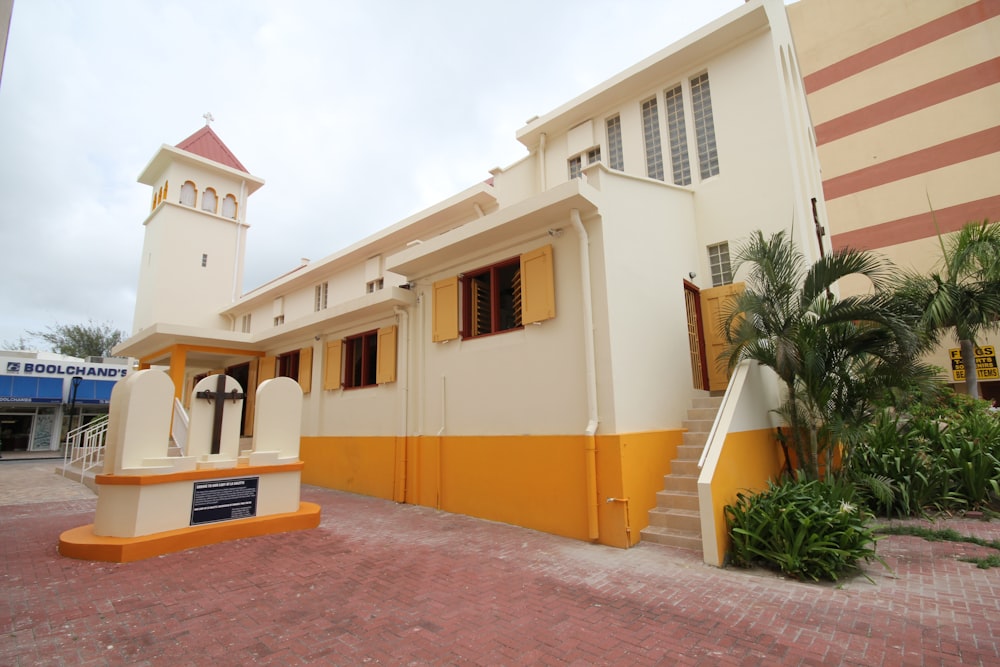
<point x="675" y="521"/>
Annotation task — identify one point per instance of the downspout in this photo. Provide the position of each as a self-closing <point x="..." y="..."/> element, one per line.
<point x="402" y="387"/>
<point x="237" y="260"/>
<point x="590" y="446"/>
<point x="541" y="162"/>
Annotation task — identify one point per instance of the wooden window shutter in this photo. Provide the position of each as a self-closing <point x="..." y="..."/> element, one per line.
<point x="306" y="369"/>
<point x="385" y="364"/>
<point x="331" y="365"/>
<point x="445" y="310"/>
<point x="266" y="369"/>
<point x="538" y="296"/>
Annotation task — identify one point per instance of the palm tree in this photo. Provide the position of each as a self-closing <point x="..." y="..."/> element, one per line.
<point x="963" y="295"/>
<point x="834" y="356"/>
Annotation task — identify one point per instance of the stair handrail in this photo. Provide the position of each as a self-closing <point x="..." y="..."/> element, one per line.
<point x="84" y="447"/>
<point x="179" y="426"/>
<point x="734" y="388"/>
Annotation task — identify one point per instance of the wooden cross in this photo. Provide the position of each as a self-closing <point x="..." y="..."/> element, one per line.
<point x="219" y="396"/>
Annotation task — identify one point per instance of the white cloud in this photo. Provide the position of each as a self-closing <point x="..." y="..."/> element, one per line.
<point x="356" y="113"/>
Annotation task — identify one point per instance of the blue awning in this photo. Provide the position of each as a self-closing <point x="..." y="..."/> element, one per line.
<point x="94" y="391"/>
<point x="14" y="389"/>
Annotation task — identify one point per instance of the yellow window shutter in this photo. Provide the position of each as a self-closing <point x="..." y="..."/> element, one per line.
<point x="538" y="296"/>
<point x="306" y="369"/>
<point x="266" y="369"/>
<point x="385" y="364"/>
<point x="445" y="310"/>
<point x="331" y="365"/>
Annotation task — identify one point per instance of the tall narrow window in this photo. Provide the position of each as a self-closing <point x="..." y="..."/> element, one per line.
<point x="594" y="155"/>
<point x="651" y="139"/>
<point x="319" y="300"/>
<point x="209" y="201"/>
<point x="229" y="207"/>
<point x="204" y="260"/>
<point x="188" y="193"/>
<point x="576" y="167"/>
<point x="615" y="159"/>
<point x="718" y="261"/>
<point x="245" y="323"/>
<point x="361" y="359"/>
<point x="704" y="126"/>
<point x="677" y="134"/>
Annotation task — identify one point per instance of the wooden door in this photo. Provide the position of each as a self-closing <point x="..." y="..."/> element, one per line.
<point x="696" y="344"/>
<point x="713" y="309"/>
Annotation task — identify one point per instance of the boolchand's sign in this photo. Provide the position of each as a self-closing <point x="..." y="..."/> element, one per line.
<point x="54" y="369"/>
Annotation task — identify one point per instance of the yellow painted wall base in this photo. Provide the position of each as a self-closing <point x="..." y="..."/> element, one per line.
<point x="747" y="462"/>
<point x="538" y="482"/>
<point x="81" y="543"/>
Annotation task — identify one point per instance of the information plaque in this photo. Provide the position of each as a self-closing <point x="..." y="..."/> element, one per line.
<point x="224" y="500"/>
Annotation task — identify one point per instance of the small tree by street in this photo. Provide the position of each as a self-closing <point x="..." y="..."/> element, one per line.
<point x="81" y="340"/>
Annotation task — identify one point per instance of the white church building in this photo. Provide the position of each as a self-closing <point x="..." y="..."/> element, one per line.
<point x="532" y="349"/>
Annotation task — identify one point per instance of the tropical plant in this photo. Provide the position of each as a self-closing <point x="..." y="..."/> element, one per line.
<point x="942" y="456"/>
<point x="835" y="357"/>
<point x="963" y="295"/>
<point x="806" y="529"/>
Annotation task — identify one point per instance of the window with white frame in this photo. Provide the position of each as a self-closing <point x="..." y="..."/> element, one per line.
<point x="245" y="323"/>
<point x="319" y="298"/>
<point x="718" y="261"/>
<point x="704" y="126"/>
<point x="279" y="320"/>
<point x="575" y="166"/>
<point x="651" y="139"/>
<point x="615" y="158"/>
<point x="576" y="162"/>
<point x="373" y="286"/>
<point x="677" y="134"/>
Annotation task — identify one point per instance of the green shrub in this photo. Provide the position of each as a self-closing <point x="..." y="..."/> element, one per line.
<point x="946" y="458"/>
<point x="903" y="454"/>
<point x="809" y="530"/>
<point x="971" y="449"/>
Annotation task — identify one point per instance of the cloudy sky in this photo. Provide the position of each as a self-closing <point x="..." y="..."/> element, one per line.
<point x="357" y="113"/>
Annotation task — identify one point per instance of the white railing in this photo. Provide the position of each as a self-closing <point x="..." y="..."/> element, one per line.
<point x="179" y="427"/>
<point x="85" y="445"/>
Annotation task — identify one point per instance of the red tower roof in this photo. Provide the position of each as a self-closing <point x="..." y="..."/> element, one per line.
<point x="207" y="144"/>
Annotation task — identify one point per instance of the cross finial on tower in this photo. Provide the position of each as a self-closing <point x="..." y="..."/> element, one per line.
<point x="208" y="117"/>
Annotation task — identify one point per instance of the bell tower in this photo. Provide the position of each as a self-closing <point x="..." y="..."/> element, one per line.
<point x="195" y="233"/>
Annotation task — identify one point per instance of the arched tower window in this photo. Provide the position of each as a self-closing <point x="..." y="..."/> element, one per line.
<point x="229" y="207"/>
<point x="188" y="193"/>
<point x="209" y="200"/>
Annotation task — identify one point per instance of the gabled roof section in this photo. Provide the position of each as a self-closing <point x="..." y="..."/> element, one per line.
<point x="207" y="144"/>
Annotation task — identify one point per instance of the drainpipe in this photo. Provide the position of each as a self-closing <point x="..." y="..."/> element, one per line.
<point x="541" y="162"/>
<point x="237" y="259"/>
<point x="590" y="446"/>
<point x="402" y="387"/>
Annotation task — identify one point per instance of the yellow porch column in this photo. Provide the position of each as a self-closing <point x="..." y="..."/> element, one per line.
<point x="178" y="366"/>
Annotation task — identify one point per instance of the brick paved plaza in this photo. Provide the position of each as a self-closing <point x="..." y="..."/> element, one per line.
<point x="381" y="583"/>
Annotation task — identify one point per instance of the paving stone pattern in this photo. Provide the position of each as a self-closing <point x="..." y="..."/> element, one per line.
<point x="381" y="583"/>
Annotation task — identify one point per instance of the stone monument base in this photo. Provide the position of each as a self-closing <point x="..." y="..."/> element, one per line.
<point x="141" y="516"/>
